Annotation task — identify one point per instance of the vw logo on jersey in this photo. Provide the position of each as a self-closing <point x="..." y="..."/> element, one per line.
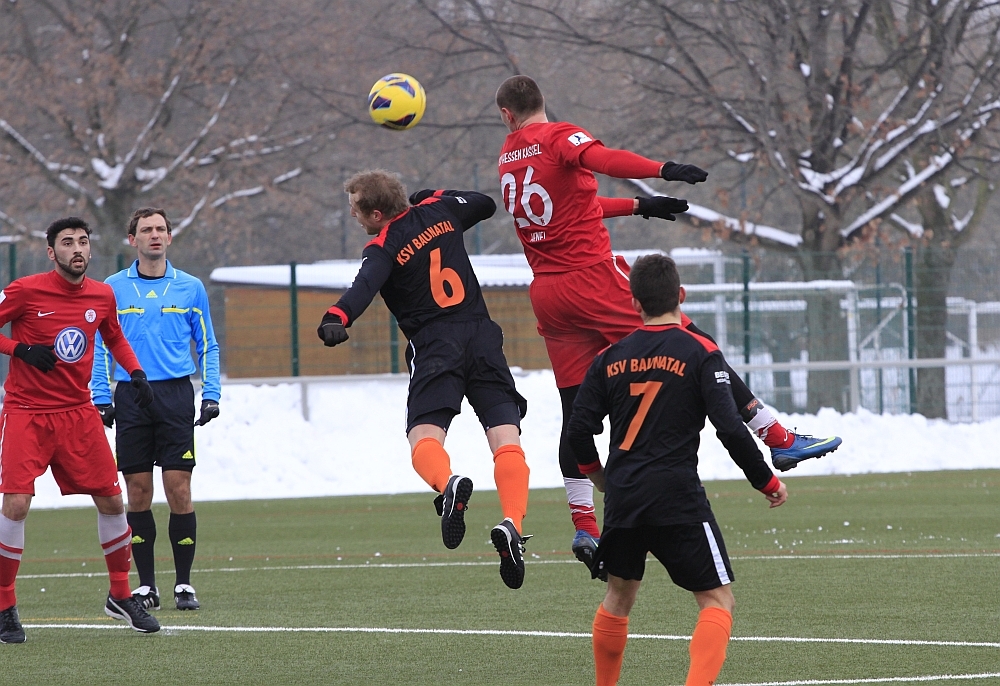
<point x="71" y="344"/>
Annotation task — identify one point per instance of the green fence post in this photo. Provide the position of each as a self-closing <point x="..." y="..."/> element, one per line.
<point x="12" y="255"/>
<point x="393" y="344"/>
<point x="878" y="317"/>
<point x="478" y="235"/>
<point x="746" y="311"/>
<point x="911" y="326"/>
<point x="120" y="261"/>
<point x="293" y="292"/>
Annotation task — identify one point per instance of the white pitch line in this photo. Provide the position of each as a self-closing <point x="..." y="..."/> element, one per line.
<point x="418" y="565"/>
<point x="511" y="632"/>
<point x="883" y="680"/>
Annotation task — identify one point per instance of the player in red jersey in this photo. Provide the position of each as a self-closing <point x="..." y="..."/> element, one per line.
<point x="48" y="419"/>
<point x="580" y="292"/>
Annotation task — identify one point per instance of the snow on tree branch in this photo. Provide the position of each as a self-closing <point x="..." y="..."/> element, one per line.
<point x="198" y="206"/>
<point x="243" y="193"/>
<point x="287" y="176"/>
<point x="155" y="176"/>
<point x="749" y="228"/>
<point x="13" y="223"/>
<point x="51" y="168"/>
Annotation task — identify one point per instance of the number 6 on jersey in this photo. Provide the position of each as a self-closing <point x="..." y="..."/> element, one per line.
<point x="440" y="277"/>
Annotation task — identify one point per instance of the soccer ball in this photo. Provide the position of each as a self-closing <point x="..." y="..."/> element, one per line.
<point x="397" y="102"/>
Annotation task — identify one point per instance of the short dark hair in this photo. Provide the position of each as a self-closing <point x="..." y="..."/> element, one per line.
<point x="380" y="190"/>
<point x="521" y="95"/>
<point x="142" y="213"/>
<point x="655" y="283"/>
<point x="61" y="225"/>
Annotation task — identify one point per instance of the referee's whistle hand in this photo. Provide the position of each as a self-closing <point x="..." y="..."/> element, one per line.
<point x="143" y="391"/>
<point x="778" y="498"/>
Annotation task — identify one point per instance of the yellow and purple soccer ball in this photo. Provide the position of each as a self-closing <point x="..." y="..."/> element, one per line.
<point x="397" y="102"/>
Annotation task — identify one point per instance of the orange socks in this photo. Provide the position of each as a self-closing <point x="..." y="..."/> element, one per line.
<point x="708" y="646"/>
<point x="510" y="472"/>
<point x="432" y="463"/>
<point x="610" y="635"/>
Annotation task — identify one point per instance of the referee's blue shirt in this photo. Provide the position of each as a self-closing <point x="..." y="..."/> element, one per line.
<point x="160" y="318"/>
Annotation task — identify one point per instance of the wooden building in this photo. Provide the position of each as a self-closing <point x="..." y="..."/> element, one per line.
<point x="258" y="319"/>
<point x="259" y="315"/>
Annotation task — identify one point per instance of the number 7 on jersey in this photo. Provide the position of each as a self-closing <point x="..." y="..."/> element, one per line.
<point x="648" y="391"/>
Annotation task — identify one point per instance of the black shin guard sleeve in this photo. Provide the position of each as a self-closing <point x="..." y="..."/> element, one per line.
<point x="143" y="537"/>
<point x="183" y="534"/>
<point x="567" y="456"/>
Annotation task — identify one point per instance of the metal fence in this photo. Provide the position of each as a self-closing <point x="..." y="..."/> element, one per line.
<point x="875" y="335"/>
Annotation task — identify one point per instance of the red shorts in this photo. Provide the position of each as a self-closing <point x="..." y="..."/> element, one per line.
<point x="580" y="313"/>
<point x="72" y="443"/>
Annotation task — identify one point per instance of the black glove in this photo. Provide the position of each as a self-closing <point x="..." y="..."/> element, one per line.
<point x="671" y="171"/>
<point x="418" y="197"/>
<point x="37" y="355"/>
<point x="331" y="331"/>
<point x="143" y="391"/>
<point x="209" y="411"/>
<point x="661" y="207"/>
<point x="107" y="414"/>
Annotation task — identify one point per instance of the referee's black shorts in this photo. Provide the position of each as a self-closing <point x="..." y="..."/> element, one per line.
<point x="694" y="555"/>
<point x="449" y="360"/>
<point x="162" y="434"/>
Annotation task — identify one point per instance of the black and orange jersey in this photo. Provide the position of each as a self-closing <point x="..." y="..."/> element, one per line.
<point x="658" y="384"/>
<point x="418" y="263"/>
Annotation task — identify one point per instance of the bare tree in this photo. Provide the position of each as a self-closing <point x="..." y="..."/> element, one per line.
<point x="805" y="97"/>
<point x="188" y="104"/>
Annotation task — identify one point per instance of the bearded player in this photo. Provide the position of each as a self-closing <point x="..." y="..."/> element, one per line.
<point x="580" y="291"/>
<point x="48" y="419"/>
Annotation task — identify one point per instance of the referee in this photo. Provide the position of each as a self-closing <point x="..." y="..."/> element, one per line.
<point x="161" y="310"/>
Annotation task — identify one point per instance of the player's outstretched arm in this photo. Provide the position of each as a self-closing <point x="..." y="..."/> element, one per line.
<point x="376" y="267"/>
<point x="471" y="207"/>
<point x="688" y="173"/>
<point x="659" y="206"/>
<point x="623" y="164"/>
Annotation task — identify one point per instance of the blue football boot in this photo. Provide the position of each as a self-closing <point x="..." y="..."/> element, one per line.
<point x="585" y="547"/>
<point x="803" y="448"/>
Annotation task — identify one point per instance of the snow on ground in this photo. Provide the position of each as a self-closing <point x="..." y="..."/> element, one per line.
<point x="261" y="447"/>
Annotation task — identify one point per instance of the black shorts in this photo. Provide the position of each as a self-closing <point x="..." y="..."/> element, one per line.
<point x="162" y="434"/>
<point x="451" y="360"/>
<point x="694" y="555"/>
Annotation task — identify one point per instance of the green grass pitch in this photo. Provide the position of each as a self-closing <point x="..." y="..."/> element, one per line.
<point x="905" y="557"/>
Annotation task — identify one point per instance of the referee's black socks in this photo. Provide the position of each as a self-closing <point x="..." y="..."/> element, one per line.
<point x="183" y="534"/>
<point x="143" y="537"/>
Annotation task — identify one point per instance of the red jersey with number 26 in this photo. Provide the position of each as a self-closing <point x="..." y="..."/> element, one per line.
<point x="553" y="198"/>
<point x="47" y="309"/>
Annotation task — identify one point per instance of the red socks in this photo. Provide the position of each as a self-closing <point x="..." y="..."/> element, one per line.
<point x="610" y="635"/>
<point x="116" y="541"/>
<point x="584" y="519"/>
<point x="11" y="547"/>
<point x="708" y="646"/>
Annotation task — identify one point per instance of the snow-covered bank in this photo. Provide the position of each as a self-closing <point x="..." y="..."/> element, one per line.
<point x="261" y="447"/>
